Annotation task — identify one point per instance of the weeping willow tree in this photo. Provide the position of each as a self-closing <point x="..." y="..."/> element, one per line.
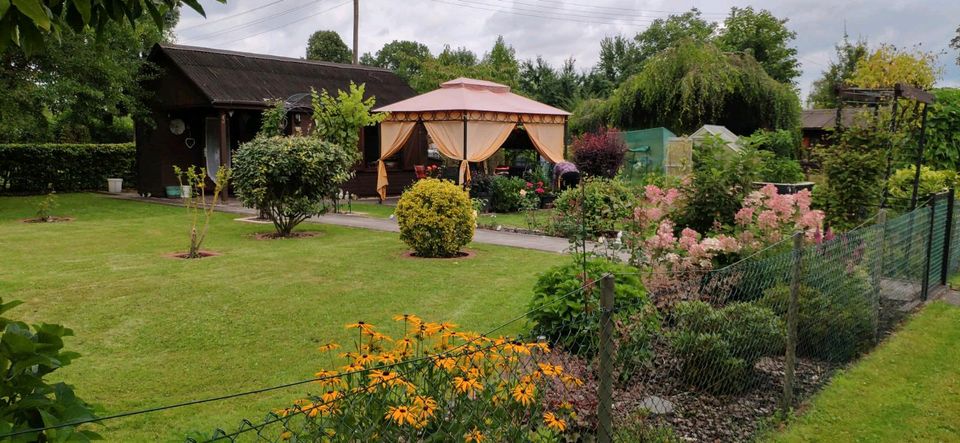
<point x="692" y="84"/>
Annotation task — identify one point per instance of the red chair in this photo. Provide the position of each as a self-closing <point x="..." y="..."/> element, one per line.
<point x="421" y="171"/>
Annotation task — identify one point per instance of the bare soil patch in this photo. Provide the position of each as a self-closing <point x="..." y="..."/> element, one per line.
<point x="464" y="254"/>
<point x="48" y="220"/>
<point x="185" y="255"/>
<point x="293" y="235"/>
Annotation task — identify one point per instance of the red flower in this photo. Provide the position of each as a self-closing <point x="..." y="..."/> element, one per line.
<point x="540" y="191"/>
<point x="539" y="184"/>
<point x="529" y="185"/>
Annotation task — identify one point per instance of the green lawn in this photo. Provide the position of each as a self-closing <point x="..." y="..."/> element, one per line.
<point x="155" y="330"/>
<point x="906" y="390"/>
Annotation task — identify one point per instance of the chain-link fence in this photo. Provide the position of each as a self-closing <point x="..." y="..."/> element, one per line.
<point x="699" y="355"/>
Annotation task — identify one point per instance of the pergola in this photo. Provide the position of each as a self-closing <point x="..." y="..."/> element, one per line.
<point x="469" y="120"/>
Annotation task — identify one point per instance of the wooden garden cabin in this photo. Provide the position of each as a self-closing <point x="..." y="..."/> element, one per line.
<point x="205" y="102"/>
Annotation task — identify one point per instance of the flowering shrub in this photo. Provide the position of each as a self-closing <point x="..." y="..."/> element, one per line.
<point x="436" y="218"/>
<point x="768" y="217"/>
<point x="434" y="382"/>
<point x="434" y="171"/>
<point x="506" y="195"/>
<point x="600" y="206"/>
<point x="599" y="154"/>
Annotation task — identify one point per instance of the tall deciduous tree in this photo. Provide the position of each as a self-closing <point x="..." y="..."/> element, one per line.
<point x="955" y="44"/>
<point x="664" y="33"/>
<point x="83" y="89"/>
<point x="32" y="24"/>
<point x="619" y="59"/>
<point x="501" y="65"/>
<point x="329" y="47"/>
<point x="765" y="37"/>
<point x="889" y="65"/>
<point x="404" y="57"/>
<point x="824" y="92"/>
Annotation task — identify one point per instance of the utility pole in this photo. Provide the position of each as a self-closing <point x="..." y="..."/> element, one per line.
<point x="356" y="31"/>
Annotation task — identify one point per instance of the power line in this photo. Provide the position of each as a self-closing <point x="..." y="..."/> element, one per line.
<point x="631" y="9"/>
<point x="602" y="14"/>
<point x="286" y="24"/>
<point x="254" y="23"/>
<point x="228" y="17"/>
<point x="561" y="12"/>
<point x="544" y="17"/>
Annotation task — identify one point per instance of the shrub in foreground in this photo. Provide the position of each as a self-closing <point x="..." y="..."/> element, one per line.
<point x="436" y="218"/>
<point x="600" y="206"/>
<point x="569" y="317"/>
<point x="288" y="178"/>
<point x="505" y="195"/>
<point x="718" y="348"/>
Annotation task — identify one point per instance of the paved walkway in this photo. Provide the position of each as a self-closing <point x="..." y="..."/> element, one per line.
<point x="485" y="236"/>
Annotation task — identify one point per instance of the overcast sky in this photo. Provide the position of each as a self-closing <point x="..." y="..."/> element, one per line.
<point x="557" y="30"/>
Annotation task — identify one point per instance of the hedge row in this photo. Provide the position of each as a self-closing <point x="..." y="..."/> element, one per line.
<point x="31" y="168"/>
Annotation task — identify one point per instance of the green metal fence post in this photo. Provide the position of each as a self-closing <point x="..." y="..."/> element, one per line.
<point x="925" y="284"/>
<point x="947" y="237"/>
<point x="605" y="391"/>
<point x="878" y="273"/>
<point x="791" y="351"/>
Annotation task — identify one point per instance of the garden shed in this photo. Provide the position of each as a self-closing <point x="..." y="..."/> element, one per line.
<point x="206" y="102"/>
<point x="469" y="120"/>
<point x="656" y="150"/>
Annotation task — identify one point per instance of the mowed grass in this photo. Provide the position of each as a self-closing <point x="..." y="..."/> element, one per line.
<point x="906" y="390"/>
<point x="155" y="330"/>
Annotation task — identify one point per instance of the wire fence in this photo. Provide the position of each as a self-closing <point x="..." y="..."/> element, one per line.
<point x="700" y="355"/>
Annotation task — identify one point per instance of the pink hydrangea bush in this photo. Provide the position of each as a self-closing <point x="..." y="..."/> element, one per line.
<point x="768" y="217"/>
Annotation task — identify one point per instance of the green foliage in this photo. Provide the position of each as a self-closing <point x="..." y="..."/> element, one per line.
<point x="720" y="181"/>
<point x="339" y="120"/>
<point x="404" y="57"/>
<point x="942" y="150"/>
<point x="597" y="206"/>
<point x="64" y="167"/>
<point x="274" y="120"/>
<point x="889" y="65"/>
<point x="854" y="168"/>
<point x="29" y="355"/>
<point x="780" y="170"/>
<point x="34" y="24"/>
<point x="668" y="32"/>
<point x="931" y="182"/>
<point x="46" y="206"/>
<point x="505" y="195"/>
<point x="436" y="218"/>
<point x="763" y="36"/>
<point x="718" y="348"/>
<point x="619" y="59"/>
<point x="834" y="327"/>
<point x="327" y="46"/>
<point x="81" y="89"/>
<point x="569" y="317"/>
<point x="287" y="178"/>
<point x="555" y="87"/>
<point x="199" y="209"/>
<point x="781" y="142"/>
<point x="691" y="84"/>
<point x="823" y="93"/>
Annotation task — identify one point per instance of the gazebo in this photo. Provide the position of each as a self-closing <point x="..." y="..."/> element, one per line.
<point x="469" y="120"/>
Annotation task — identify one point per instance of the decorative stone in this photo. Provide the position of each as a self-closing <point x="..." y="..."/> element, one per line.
<point x="657" y="405"/>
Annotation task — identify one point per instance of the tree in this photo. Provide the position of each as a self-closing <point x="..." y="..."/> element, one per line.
<point x="543" y="83"/>
<point x="84" y="89"/>
<point x="691" y="84"/>
<point x="404" y="57"/>
<point x="329" y="47"/>
<point x="340" y="119"/>
<point x="664" y="33"/>
<point x="763" y="36"/>
<point x="501" y="65"/>
<point x="619" y="59"/>
<point x="31" y="24"/>
<point x="889" y="65"/>
<point x="824" y="91"/>
<point x="955" y="44"/>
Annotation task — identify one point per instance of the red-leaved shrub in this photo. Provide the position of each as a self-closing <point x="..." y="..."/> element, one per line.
<point x="599" y="154"/>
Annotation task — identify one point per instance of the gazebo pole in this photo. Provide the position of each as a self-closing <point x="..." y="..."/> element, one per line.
<point x="464" y="178"/>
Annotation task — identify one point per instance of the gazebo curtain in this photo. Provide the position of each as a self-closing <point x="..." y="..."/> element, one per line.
<point x="484" y="138"/>
<point x="548" y="139"/>
<point x="393" y="135"/>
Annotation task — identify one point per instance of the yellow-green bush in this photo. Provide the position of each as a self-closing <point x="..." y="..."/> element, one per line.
<point x="436" y="218"/>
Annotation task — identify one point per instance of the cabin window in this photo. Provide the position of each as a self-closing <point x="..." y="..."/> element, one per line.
<point x="211" y="150"/>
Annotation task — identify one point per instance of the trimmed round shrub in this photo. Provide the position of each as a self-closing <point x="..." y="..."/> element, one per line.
<point x="601" y="206"/>
<point x="436" y="218"/>
<point x="569" y="317"/>
<point x="836" y="326"/>
<point x="718" y="348"/>
<point x="288" y="178"/>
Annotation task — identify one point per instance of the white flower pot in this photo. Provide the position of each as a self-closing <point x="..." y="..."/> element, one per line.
<point x="114" y="185"/>
<point x="186" y="191"/>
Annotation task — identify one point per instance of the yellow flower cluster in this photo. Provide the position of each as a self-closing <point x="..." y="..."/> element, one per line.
<point x="434" y="368"/>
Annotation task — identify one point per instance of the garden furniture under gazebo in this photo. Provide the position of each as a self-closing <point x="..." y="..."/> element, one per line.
<point x="469" y="120"/>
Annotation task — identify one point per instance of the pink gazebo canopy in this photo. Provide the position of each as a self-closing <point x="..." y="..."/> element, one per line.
<point x="467" y="94"/>
<point x="469" y="120"/>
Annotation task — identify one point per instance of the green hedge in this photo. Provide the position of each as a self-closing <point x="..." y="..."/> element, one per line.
<point x="30" y="168"/>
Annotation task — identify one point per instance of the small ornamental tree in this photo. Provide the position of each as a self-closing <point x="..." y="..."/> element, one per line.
<point x="599" y="154"/>
<point x="436" y="218"/>
<point x="287" y="178"/>
<point x="29" y="400"/>
<point x="198" y="208"/>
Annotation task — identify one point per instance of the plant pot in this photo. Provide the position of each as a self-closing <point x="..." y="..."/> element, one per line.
<point x="114" y="185"/>
<point x="546" y="200"/>
<point x="186" y="191"/>
<point x="172" y="191"/>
